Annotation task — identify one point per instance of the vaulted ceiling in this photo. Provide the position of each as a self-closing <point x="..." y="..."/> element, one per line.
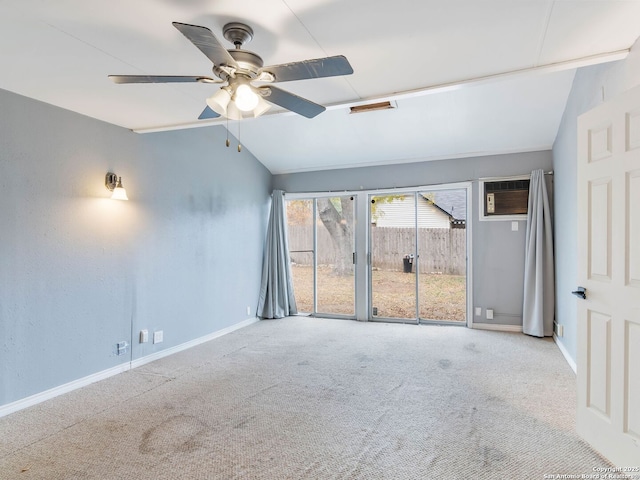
<point x="466" y="77"/>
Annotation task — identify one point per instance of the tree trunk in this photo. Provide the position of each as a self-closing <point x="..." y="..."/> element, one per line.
<point x="340" y="227"/>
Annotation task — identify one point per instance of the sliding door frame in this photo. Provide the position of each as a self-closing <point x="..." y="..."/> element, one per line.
<point x="415" y="191"/>
<point x="313" y="197"/>
<point x="362" y="231"/>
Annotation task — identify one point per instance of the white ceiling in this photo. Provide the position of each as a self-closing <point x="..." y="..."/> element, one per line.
<point x="468" y="77"/>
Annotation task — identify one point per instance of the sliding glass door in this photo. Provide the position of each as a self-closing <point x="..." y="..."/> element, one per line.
<point x="300" y="226"/>
<point x="442" y="252"/>
<point x="393" y="248"/>
<point x="411" y="261"/>
<point x="321" y="246"/>
<point x="418" y="247"/>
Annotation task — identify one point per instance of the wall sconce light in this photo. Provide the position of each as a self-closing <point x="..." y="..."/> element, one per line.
<point x="114" y="184"/>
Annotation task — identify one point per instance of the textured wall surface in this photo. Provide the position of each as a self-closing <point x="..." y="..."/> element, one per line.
<point x="80" y="272"/>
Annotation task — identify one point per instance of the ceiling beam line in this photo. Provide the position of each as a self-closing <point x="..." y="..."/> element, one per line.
<point x="457" y="85"/>
<point x="431" y="90"/>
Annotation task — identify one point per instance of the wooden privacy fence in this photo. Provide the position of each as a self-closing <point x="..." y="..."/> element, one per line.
<point x="442" y="250"/>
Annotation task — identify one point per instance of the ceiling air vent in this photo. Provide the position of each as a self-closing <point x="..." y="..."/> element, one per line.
<point x="371" y="107"/>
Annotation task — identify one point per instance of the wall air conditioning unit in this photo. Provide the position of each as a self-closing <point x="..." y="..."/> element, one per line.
<point x="504" y="198"/>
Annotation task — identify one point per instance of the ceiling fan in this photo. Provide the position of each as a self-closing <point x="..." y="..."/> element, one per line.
<point x="248" y="88"/>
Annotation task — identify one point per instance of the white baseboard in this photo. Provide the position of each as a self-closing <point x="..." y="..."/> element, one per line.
<point x="565" y="354"/>
<point x="495" y="326"/>
<point x="138" y="362"/>
<point x="61" y="389"/>
<point x="110" y="372"/>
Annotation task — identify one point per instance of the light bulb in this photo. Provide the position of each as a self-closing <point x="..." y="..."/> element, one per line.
<point x="245" y="99"/>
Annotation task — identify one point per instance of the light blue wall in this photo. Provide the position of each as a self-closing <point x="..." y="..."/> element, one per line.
<point x="80" y="272"/>
<point x="498" y="252"/>
<point x="591" y="86"/>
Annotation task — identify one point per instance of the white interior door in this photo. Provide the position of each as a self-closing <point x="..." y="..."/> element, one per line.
<point x="609" y="268"/>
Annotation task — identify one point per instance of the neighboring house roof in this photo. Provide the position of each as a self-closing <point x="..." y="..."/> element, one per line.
<point x="440" y="209"/>
<point x="454" y="202"/>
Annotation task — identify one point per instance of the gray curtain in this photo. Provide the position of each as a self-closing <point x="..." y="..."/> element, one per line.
<point x="539" y="288"/>
<point x="276" y="291"/>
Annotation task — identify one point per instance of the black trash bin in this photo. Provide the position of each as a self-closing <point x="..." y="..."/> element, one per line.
<point x="407" y="262"/>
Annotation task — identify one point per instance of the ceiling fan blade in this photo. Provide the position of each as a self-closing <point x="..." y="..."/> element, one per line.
<point x="161" y="79"/>
<point x="292" y="102"/>
<point x="318" y="68"/>
<point x="208" y="44"/>
<point x="208" y="113"/>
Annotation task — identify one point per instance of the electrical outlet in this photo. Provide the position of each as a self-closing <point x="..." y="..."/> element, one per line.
<point x="478" y="311"/>
<point x="158" y="336"/>
<point x="144" y="336"/>
<point x="514" y="226"/>
<point x="121" y="348"/>
<point x="558" y="329"/>
<point x="489" y="314"/>
<point x="248" y="310"/>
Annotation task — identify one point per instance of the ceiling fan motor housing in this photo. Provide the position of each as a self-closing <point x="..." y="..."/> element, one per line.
<point x="237" y="33"/>
<point x="248" y="62"/>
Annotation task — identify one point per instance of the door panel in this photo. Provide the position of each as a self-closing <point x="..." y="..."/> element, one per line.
<point x="393" y="267"/>
<point x="600" y="229"/>
<point x="441" y="233"/>
<point x="632" y="380"/>
<point x="608" y="266"/>
<point x="335" y="271"/>
<point x="599" y="370"/>
<point x="321" y="245"/>
<point x="302" y="252"/>
<point x="633" y="229"/>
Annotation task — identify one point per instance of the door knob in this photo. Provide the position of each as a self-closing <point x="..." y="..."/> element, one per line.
<point x="581" y="292"/>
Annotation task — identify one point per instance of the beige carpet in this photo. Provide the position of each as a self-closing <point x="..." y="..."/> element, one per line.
<point x="303" y="398"/>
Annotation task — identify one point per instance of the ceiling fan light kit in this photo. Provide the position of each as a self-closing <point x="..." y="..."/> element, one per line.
<point x="238" y="68"/>
<point x="218" y="101"/>
<point x="245" y="99"/>
<point x="261" y="107"/>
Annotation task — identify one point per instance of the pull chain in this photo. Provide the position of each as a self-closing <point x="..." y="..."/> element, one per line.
<point x="228" y="142"/>
<point x="239" y="144"/>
